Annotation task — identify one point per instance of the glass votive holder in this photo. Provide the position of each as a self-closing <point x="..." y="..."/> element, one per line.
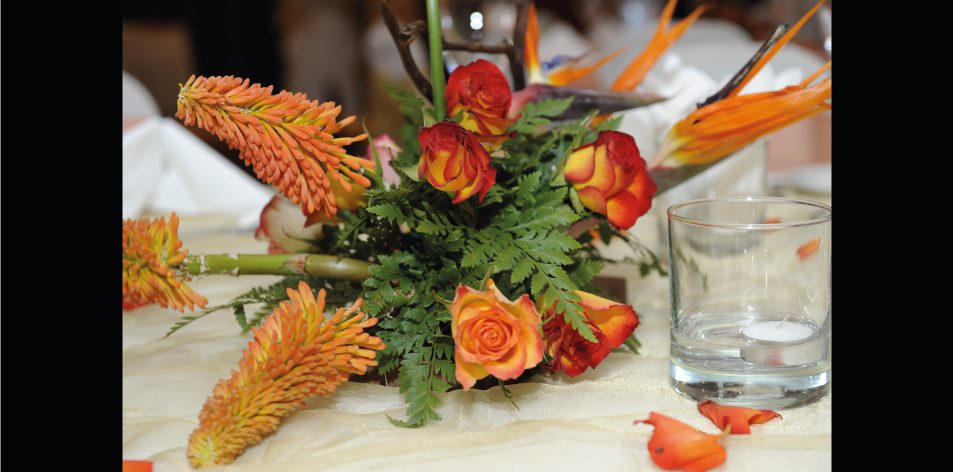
<point x="750" y="285"/>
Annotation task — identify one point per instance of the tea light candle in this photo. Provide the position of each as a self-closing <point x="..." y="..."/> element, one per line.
<point x="776" y="331"/>
<point x="781" y="343"/>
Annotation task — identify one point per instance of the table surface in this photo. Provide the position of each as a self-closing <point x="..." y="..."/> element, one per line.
<point x="583" y="423"/>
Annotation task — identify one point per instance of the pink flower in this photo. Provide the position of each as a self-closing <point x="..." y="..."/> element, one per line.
<point x="284" y="227"/>
<point x="387" y="149"/>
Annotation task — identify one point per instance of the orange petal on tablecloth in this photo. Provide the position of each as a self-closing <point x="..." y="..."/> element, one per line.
<point x="808" y="249"/>
<point x="677" y="446"/>
<point x="136" y="466"/>
<point x="739" y="418"/>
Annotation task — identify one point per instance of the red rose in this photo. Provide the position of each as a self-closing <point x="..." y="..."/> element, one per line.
<point x="452" y="160"/>
<point x="611" y="178"/>
<point x="611" y="322"/>
<point x="481" y="93"/>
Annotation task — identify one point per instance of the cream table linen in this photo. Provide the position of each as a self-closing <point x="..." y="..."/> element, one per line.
<point x="584" y="423"/>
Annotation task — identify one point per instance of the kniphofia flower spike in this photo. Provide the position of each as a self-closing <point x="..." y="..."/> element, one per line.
<point x="286" y="138"/>
<point x="296" y="354"/>
<point x="151" y="255"/>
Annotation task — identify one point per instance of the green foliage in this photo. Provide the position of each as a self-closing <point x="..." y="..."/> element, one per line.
<point x="267" y="299"/>
<point x="270" y="296"/>
<point x="423" y="247"/>
<point x="536" y="115"/>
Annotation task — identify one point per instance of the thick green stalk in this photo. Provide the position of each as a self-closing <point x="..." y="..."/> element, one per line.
<point x="436" y="58"/>
<point x="315" y="265"/>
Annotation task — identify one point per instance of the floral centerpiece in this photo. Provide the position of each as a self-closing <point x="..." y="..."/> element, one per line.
<point x="462" y="256"/>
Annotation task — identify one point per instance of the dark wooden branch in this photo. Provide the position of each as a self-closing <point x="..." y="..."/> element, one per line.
<point x="512" y="49"/>
<point x="477" y="47"/>
<point x="519" y="44"/>
<point x="403" y="36"/>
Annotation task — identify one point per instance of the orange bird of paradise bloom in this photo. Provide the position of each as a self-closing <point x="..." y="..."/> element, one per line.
<point x="561" y="70"/>
<point x="727" y="121"/>
<point x="632" y="76"/>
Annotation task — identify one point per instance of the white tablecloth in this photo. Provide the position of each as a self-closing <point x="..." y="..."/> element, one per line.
<point x="584" y="423"/>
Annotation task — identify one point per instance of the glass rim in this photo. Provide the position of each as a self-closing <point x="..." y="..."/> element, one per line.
<point x="712" y="224"/>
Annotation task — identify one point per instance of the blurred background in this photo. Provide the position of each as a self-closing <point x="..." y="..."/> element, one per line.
<point x="340" y="50"/>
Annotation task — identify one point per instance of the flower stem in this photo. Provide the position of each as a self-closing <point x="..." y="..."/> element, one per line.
<point x="633" y="344"/>
<point x="315" y="265"/>
<point x="436" y="57"/>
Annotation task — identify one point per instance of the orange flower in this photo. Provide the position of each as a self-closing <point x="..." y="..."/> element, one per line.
<point x="560" y="70"/>
<point x="728" y="121"/>
<point x="480" y="92"/>
<point x="136" y="466"/>
<point x="453" y="161"/>
<point x="150" y="256"/>
<point x="738" y="418"/>
<point x="493" y="335"/>
<point x="677" y="446"/>
<point x="288" y="139"/>
<point x="611" y="178"/>
<point x="611" y="322"/>
<point x="296" y="354"/>
<point x="715" y="131"/>
<point x="632" y="76"/>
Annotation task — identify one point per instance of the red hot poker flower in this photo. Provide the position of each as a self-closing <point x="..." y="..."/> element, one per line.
<point x="288" y="139"/>
<point x="151" y="255"/>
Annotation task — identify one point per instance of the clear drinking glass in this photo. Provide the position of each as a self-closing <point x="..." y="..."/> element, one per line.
<point x="751" y="300"/>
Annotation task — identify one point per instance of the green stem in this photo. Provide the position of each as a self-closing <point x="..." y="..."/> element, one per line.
<point x="436" y="57"/>
<point x="315" y="265"/>
<point x="633" y="344"/>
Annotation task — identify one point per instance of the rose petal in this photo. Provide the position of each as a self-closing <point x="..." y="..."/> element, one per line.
<point x="136" y="466"/>
<point x="511" y="366"/>
<point x="580" y="164"/>
<point x="468" y="373"/>
<point x="533" y="343"/>
<point x="643" y="189"/>
<point x="604" y="174"/>
<point x="593" y="199"/>
<point x="677" y="446"/>
<point x="615" y="320"/>
<point x="622" y="210"/>
<point x="739" y="418"/>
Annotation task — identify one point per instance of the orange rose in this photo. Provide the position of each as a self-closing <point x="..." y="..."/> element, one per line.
<point x="493" y="335"/>
<point x="611" y="322"/>
<point x="453" y="161"/>
<point x="480" y="92"/>
<point x="611" y="178"/>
